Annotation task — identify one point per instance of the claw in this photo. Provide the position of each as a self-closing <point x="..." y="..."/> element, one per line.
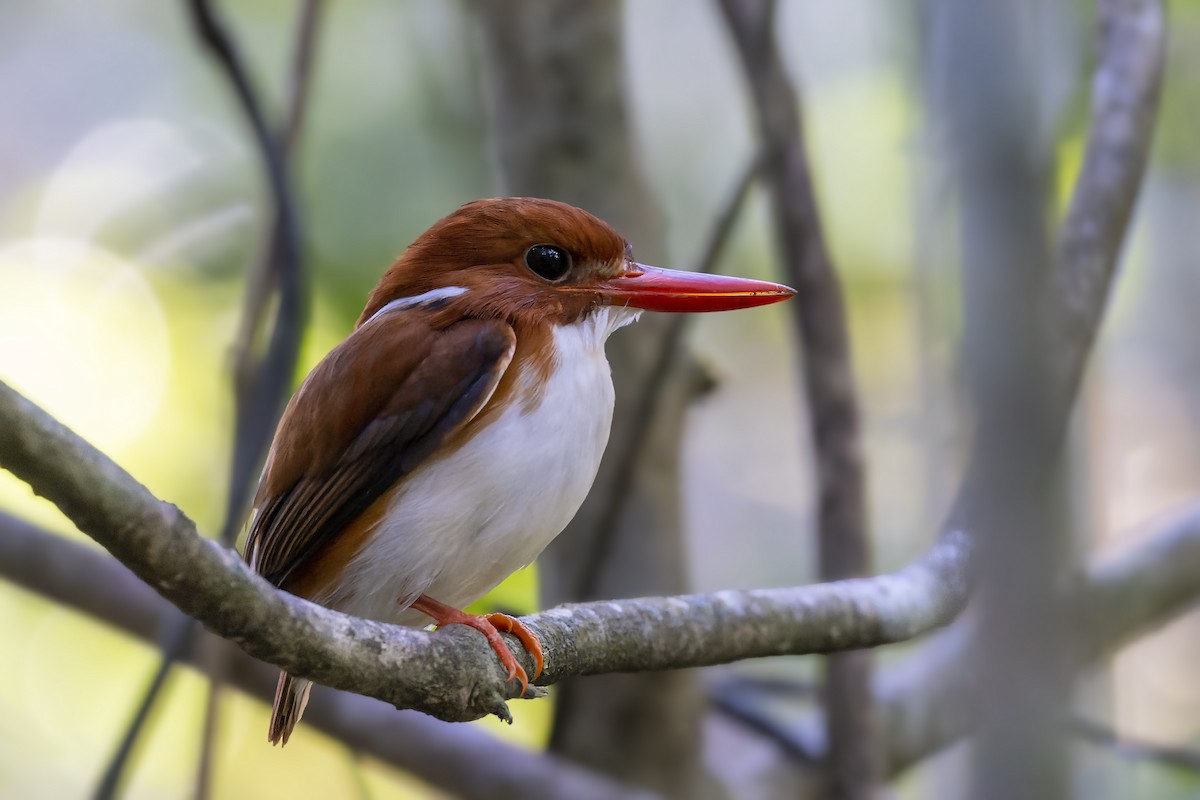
<point x="526" y="637"/>
<point x="490" y="626"/>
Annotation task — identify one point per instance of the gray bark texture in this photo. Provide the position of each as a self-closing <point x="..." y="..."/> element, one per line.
<point x="843" y="545"/>
<point x="923" y="702"/>
<point x="452" y="673"/>
<point x="1033" y="314"/>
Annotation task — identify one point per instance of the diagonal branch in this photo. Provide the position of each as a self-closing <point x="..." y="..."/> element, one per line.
<point x="1167" y="755"/>
<point x="453" y="674"/>
<point x="459" y="759"/>
<point x="260" y="380"/>
<point x="1125" y="93"/>
<point x="842" y="536"/>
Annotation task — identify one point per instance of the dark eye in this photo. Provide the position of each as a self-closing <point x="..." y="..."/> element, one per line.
<point x="548" y="261"/>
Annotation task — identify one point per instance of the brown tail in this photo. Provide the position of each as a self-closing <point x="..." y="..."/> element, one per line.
<point x="291" y="696"/>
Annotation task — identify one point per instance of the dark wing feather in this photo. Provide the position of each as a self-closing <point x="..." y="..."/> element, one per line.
<point x="375" y="407"/>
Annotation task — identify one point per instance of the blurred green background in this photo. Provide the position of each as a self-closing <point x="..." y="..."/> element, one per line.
<point x="131" y="205"/>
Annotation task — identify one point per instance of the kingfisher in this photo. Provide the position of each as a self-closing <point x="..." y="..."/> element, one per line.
<point x="457" y="429"/>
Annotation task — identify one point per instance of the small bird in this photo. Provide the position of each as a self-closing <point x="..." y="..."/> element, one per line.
<point x="457" y="429"/>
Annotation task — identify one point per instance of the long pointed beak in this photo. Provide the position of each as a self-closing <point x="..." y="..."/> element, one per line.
<point x="658" y="289"/>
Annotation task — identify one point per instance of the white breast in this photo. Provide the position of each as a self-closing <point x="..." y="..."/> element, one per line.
<point x="464" y="523"/>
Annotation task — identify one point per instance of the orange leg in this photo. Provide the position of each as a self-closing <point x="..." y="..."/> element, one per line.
<point x="490" y="626"/>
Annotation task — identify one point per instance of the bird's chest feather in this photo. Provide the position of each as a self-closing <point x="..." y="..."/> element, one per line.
<point x="459" y="525"/>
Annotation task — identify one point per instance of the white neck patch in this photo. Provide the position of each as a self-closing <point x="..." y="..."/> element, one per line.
<point x="432" y="296"/>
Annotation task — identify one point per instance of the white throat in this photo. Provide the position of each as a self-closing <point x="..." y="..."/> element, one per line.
<point x="596" y="327"/>
<point x="463" y="523"/>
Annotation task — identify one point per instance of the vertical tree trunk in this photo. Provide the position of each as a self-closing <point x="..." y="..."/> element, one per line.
<point x="560" y="129"/>
<point x="993" y="86"/>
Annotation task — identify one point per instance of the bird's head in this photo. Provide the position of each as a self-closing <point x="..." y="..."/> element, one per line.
<point x="531" y="260"/>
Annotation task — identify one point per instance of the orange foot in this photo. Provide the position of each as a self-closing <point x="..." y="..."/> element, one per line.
<point x="490" y="626"/>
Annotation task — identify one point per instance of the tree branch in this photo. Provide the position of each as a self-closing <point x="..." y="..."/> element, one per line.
<point x="452" y="674"/>
<point x="924" y="703"/>
<point x="1125" y="93"/>
<point x="928" y="703"/>
<point x="459" y="759"/>
<point x="843" y="545"/>
<point x="1167" y="755"/>
<point x="921" y="701"/>
<point x="261" y="380"/>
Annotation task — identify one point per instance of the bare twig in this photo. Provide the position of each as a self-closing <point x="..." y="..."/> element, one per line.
<point x="842" y="536"/>
<point x="300" y="74"/>
<point x="1125" y="93"/>
<point x="452" y="673"/>
<point x="742" y="704"/>
<point x="763" y="686"/>
<point x="176" y="642"/>
<point x="261" y="381"/>
<point x="1135" y="749"/>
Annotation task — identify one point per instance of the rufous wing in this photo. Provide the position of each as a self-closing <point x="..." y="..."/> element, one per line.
<point x="376" y="407"/>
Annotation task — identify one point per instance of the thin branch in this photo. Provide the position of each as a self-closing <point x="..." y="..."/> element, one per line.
<point x="763" y="686"/>
<point x="744" y="699"/>
<point x="174" y="644"/>
<point x="261" y="381"/>
<point x="1166" y="755"/>
<point x="924" y="703"/>
<point x="1125" y="94"/>
<point x="259" y="397"/>
<point x="304" y="55"/>
<point x="461" y="760"/>
<point x="452" y="674"/>
<point x="742" y="704"/>
<point x="212" y="711"/>
<point x="819" y="308"/>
